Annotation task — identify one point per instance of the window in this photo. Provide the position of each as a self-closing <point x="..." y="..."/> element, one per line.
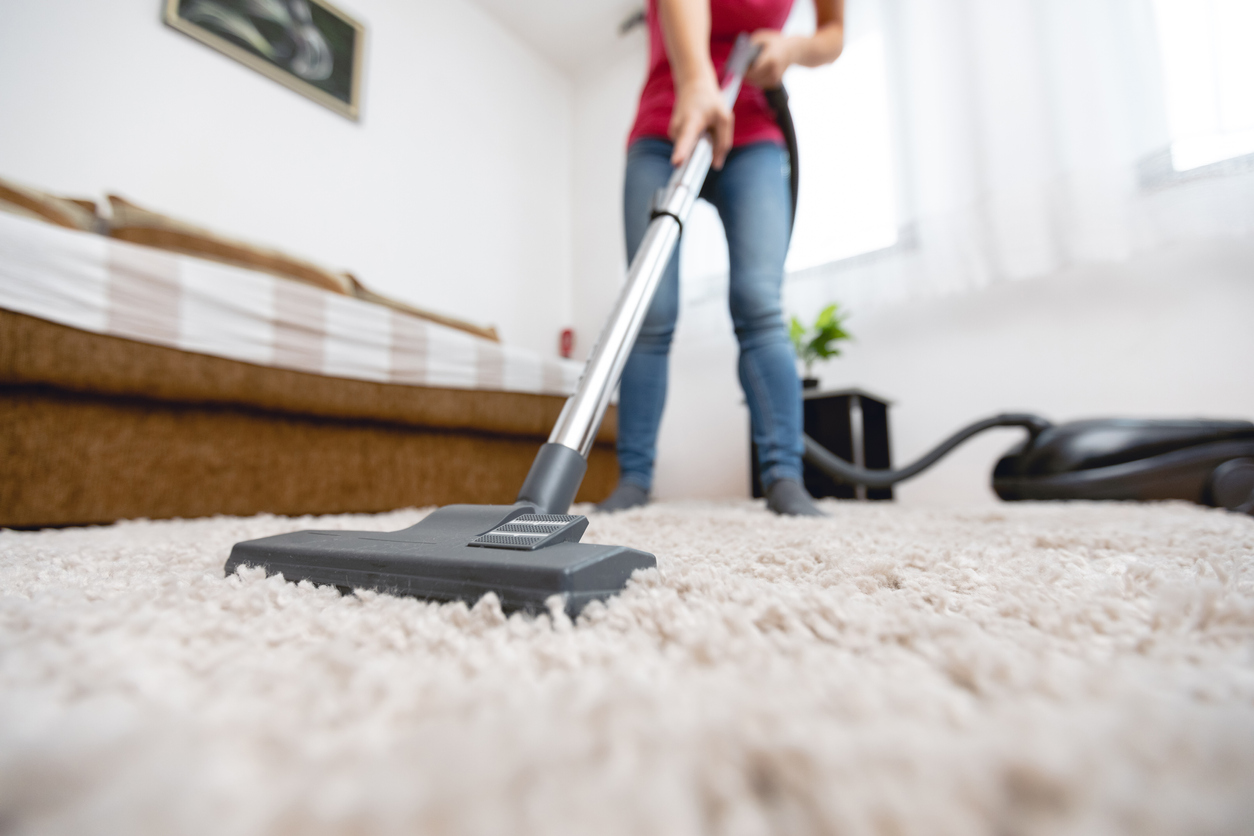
<point x="847" y="202"/>
<point x="1208" y="78"/>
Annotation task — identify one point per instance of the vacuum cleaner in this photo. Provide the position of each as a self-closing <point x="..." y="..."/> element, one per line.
<point x="530" y="551"/>
<point x="1204" y="461"/>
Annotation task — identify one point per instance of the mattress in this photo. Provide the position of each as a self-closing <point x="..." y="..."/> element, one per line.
<point x="112" y="287"/>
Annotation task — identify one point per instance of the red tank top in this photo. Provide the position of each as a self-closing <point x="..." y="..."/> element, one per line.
<point x="755" y="121"/>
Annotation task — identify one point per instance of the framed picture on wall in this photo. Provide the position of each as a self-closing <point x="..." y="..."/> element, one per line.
<point x="309" y="45"/>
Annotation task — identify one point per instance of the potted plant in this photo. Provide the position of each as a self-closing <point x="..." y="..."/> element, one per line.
<point x="819" y="341"/>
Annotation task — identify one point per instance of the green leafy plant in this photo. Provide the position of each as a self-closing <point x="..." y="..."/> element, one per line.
<point x="819" y="341"/>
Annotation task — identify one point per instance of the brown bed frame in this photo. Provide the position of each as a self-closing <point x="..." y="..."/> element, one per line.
<point x="96" y="428"/>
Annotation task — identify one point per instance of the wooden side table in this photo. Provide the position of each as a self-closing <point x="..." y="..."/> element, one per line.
<point x="851" y="423"/>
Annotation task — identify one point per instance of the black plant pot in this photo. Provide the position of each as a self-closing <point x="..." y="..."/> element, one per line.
<point x="809" y="383"/>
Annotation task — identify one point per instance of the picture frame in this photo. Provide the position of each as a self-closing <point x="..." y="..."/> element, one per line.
<point x="309" y="46"/>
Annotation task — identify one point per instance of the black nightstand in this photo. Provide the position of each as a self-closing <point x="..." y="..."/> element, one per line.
<point x="851" y="423"/>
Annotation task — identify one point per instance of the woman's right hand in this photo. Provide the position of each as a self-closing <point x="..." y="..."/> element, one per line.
<point x="699" y="108"/>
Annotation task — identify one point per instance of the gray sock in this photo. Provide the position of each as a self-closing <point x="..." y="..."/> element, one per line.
<point x="789" y="497"/>
<point x="625" y="496"/>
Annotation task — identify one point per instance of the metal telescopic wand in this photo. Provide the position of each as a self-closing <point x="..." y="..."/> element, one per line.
<point x="553" y="480"/>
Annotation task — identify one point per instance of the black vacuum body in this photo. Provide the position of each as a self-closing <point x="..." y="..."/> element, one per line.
<point x="1205" y="461"/>
<point x="1208" y="462"/>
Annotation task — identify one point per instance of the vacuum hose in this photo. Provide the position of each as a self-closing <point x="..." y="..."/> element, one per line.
<point x="777" y="99"/>
<point x="842" y="471"/>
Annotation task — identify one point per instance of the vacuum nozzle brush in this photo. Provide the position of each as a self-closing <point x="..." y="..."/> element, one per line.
<point x="459" y="552"/>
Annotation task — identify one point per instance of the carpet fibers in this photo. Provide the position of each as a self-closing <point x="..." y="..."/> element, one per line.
<point x="1021" y="669"/>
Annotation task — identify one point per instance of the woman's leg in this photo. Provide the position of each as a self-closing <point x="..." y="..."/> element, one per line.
<point x="642" y="391"/>
<point x="754" y="201"/>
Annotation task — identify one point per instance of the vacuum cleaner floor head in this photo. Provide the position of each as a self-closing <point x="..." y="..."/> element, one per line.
<point x="459" y="552"/>
<point x="1209" y="462"/>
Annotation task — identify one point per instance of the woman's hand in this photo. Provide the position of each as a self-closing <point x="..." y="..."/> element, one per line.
<point x="780" y="51"/>
<point x="698" y="102"/>
<point x="699" y="107"/>
<point x="778" y="54"/>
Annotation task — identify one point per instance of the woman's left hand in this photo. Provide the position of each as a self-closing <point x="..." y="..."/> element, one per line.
<point x="780" y="51"/>
<point x="767" y="70"/>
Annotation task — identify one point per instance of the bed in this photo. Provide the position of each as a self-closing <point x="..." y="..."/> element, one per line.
<point x="140" y="382"/>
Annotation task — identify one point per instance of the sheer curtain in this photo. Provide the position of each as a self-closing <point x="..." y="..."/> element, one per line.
<point x="1026" y="134"/>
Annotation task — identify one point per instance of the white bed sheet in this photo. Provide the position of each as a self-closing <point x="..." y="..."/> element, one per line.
<point x="99" y="284"/>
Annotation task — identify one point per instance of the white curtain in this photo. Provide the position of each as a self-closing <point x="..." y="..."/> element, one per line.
<point x="1030" y="136"/>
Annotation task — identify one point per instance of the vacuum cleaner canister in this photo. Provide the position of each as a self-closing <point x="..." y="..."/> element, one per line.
<point x="1208" y="462"/>
<point x="1203" y="461"/>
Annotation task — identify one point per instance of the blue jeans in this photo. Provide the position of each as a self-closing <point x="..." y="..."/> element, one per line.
<point x="753" y="199"/>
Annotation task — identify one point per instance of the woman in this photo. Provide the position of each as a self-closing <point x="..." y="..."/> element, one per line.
<point x="689" y="42"/>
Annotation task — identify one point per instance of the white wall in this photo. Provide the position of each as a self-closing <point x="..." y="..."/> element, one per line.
<point x="605" y="96"/>
<point x="453" y="191"/>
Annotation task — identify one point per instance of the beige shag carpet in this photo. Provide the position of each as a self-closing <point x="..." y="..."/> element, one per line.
<point x="1014" y="670"/>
